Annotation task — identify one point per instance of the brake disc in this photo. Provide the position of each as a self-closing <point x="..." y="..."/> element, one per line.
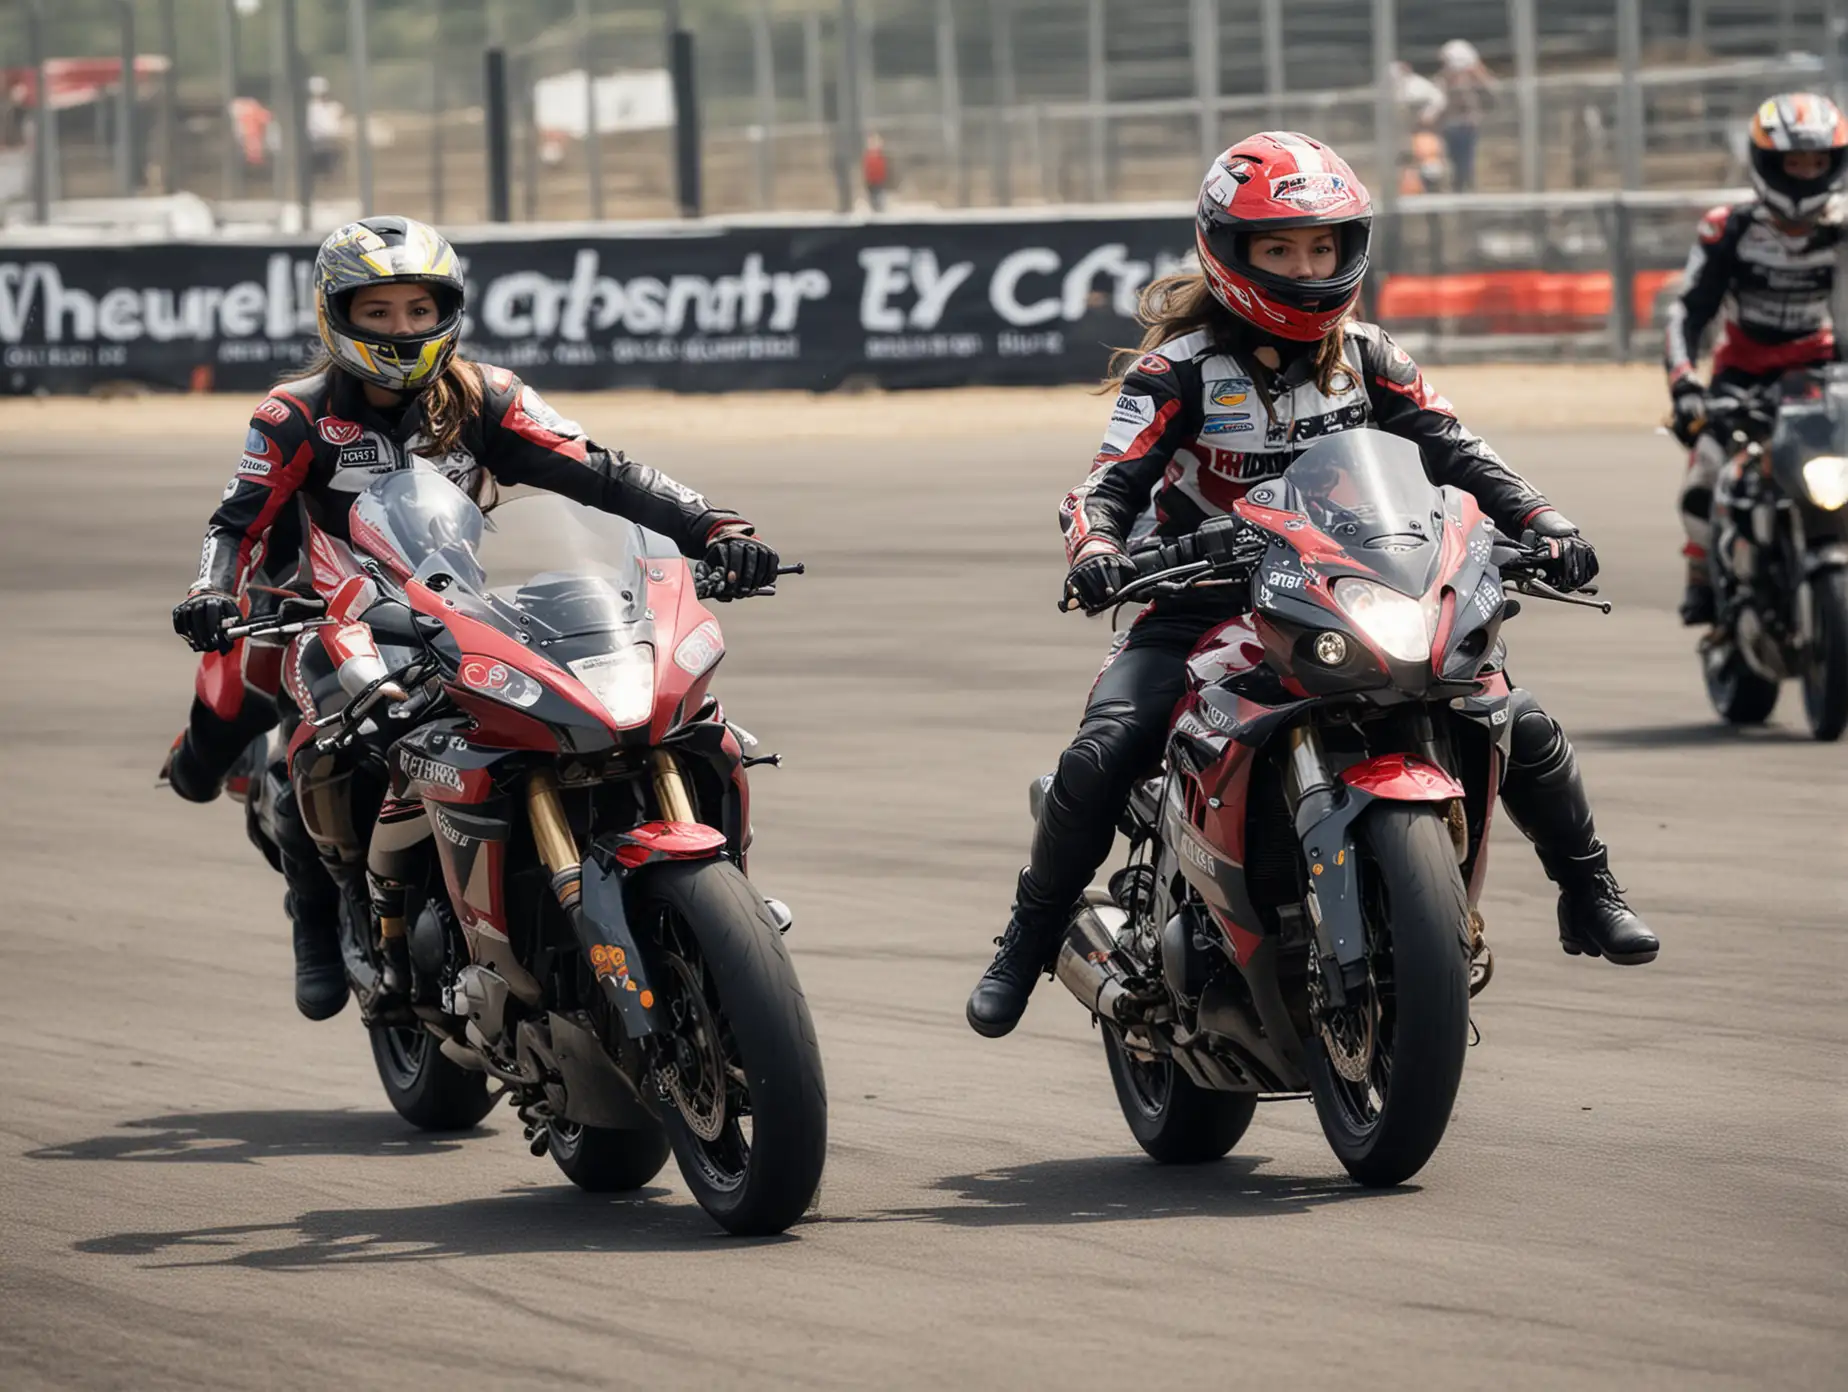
<point x="700" y="1100"/>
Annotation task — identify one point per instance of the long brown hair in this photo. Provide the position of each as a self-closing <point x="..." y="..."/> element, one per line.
<point x="450" y="402"/>
<point x="1182" y="303"/>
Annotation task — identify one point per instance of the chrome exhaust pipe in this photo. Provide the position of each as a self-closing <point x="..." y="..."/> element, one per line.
<point x="1087" y="967"/>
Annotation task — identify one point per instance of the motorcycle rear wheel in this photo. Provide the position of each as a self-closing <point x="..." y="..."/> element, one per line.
<point x="422" y="1086"/>
<point x="602" y="1161"/>
<point x="1173" y="1118"/>
<point x="1739" y="695"/>
<point x="1825" y="676"/>
<point x="1385" y="1126"/>
<point x="749" y="1118"/>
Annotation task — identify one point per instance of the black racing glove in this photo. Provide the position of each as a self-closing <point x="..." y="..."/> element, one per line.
<point x="201" y="617"/>
<point x="1690" y="399"/>
<point x="1095" y="580"/>
<point x="738" y="566"/>
<point x="1571" y="563"/>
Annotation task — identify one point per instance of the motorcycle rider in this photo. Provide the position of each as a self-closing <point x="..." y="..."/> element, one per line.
<point x="389" y="392"/>
<point x="1243" y="365"/>
<point x="1766" y="268"/>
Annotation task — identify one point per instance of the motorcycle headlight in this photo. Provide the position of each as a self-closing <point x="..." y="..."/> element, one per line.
<point x="1398" y="623"/>
<point x="1826" y="479"/>
<point x="622" y="680"/>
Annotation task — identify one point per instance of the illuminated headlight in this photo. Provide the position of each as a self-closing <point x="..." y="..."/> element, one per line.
<point x="1330" y="649"/>
<point x="1826" y="478"/>
<point x="1398" y="623"/>
<point x="622" y="680"/>
<point x="699" y="649"/>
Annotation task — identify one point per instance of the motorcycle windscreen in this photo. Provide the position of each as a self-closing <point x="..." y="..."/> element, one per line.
<point x="1368" y="491"/>
<point x="568" y="569"/>
<point x="416" y="523"/>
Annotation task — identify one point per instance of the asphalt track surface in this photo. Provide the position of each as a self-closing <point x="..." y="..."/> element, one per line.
<point x="1643" y="1184"/>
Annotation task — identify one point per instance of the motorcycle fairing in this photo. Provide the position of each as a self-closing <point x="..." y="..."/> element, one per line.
<point x="1401" y="778"/>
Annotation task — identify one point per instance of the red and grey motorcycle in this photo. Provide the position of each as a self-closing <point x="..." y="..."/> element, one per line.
<point x="557" y="858"/>
<point x="1298" y="911"/>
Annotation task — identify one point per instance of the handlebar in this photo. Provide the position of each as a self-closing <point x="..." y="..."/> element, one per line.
<point x="707" y="582"/>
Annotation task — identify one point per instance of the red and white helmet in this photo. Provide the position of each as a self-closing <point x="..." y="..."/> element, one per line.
<point x="1794" y="123"/>
<point x="1267" y="183"/>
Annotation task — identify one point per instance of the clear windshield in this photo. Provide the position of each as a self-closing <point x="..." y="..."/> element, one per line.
<point x="1368" y="491"/>
<point x="568" y="568"/>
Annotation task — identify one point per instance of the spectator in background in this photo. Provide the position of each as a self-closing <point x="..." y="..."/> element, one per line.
<point x="1468" y="87"/>
<point x="1421" y="104"/>
<point x="326" y="122"/>
<point x="875" y="171"/>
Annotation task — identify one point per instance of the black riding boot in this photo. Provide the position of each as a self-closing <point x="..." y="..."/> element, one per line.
<point x="206" y="750"/>
<point x="313" y="906"/>
<point x="1546" y="798"/>
<point x="1027" y="948"/>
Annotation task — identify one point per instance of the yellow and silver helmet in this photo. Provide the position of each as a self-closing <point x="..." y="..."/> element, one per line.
<point x="388" y="251"/>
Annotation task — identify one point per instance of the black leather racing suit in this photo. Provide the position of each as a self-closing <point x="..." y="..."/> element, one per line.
<point x="313" y="447"/>
<point x="1190" y="431"/>
<point x="1770" y="290"/>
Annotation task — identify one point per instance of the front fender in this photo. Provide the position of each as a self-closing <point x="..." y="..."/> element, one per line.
<point x="1401" y="778"/>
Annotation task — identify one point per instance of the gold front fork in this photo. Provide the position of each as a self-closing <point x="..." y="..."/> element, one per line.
<point x="671" y="788"/>
<point x="552" y="836"/>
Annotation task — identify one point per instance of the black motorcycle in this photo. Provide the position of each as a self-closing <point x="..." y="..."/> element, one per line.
<point x="1780" y="551"/>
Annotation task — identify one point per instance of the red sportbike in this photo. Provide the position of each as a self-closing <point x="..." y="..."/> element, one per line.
<point x="1298" y="909"/>
<point x="560" y="817"/>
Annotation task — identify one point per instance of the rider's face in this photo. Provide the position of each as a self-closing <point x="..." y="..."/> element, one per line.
<point x="1296" y="253"/>
<point x="393" y="310"/>
<point x="1806" y="164"/>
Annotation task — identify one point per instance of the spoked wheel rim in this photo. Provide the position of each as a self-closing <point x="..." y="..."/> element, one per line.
<point x="1151" y="1085"/>
<point x="1359" y="1058"/>
<point x="705" y="1081"/>
<point x="404" y="1055"/>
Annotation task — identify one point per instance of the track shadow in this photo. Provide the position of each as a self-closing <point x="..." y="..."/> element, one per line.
<point x="241" y="1138"/>
<point x="1115" y="1188"/>
<point x="556" y="1218"/>
<point x="1713" y="735"/>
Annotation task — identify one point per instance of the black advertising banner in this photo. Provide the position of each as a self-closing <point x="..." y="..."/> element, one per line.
<point x="805" y="307"/>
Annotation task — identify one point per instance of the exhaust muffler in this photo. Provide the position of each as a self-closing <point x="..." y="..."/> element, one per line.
<point x="1089" y="969"/>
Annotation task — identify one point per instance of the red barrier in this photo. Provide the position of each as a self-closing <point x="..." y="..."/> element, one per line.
<point x="1519" y="301"/>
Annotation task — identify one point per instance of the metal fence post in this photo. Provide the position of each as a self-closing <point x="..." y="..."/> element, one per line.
<point x="361" y="60"/>
<point x="811" y="68"/>
<point x="949" y="96"/>
<point x="1274" y="82"/>
<point x="1524" y="31"/>
<point x="1206" y="73"/>
<point x="436" y="110"/>
<point x="169" y="98"/>
<point x="848" y="139"/>
<point x="593" y="139"/>
<point x="42" y="118"/>
<point x="1386" y="121"/>
<point x="227" y="59"/>
<point x="1001" y="20"/>
<point x="494" y="101"/>
<point x="296" y="85"/>
<point x="1097" y="94"/>
<point x="127" y="165"/>
<point x="763" y="62"/>
<point x="1630" y="94"/>
<point x="1623" y="279"/>
<point x="686" y="122"/>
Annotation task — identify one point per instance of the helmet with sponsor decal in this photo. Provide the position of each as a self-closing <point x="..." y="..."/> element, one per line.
<point x="1798" y="124"/>
<point x="1272" y="182"/>
<point x="388" y="251"/>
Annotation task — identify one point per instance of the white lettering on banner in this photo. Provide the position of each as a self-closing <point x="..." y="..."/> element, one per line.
<point x="910" y="347"/>
<point x="531" y="304"/>
<point x="1078" y="286"/>
<point x="890" y="271"/>
<point x="34" y="291"/>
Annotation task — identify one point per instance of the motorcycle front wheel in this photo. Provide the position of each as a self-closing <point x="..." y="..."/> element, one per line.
<point x="746" y="1111"/>
<point x="1739" y="695"/>
<point x="1384" y="1069"/>
<point x="1825" y="675"/>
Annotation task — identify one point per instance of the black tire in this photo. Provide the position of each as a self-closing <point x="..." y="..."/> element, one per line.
<point x="425" y="1088"/>
<point x="1417" y="922"/>
<point x="1825" y="678"/>
<point x="602" y="1161"/>
<point x="1173" y="1118"/>
<point x="740" y="975"/>
<point x="1739" y="695"/>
